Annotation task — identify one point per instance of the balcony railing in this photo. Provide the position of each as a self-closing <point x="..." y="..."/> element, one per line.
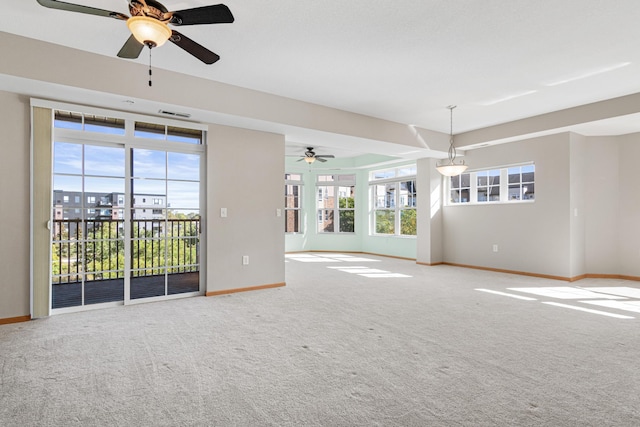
<point x="92" y="250"/>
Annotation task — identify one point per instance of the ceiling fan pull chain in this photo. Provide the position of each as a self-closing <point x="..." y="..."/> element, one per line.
<point x="150" y="73"/>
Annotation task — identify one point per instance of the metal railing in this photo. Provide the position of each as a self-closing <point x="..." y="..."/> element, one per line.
<point x="94" y="249"/>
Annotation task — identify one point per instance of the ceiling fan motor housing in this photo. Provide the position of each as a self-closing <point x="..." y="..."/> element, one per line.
<point x="153" y="9"/>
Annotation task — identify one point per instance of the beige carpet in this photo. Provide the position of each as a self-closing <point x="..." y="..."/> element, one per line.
<point x="351" y="341"/>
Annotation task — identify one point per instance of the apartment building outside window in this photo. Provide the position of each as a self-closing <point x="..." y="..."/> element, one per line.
<point x="393" y="199"/>
<point x="292" y="203"/>
<point x="499" y="185"/>
<point x="335" y="203"/>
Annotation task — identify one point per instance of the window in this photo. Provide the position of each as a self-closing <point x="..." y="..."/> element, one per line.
<point x="168" y="133"/>
<point x="292" y="203"/>
<point x="335" y="203"/>
<point x="394" y="196"/>
<point x="88" y="122"/>
<point x="65" y="199"/>
<point x="76" y="199"/>
<point x="488" y="185"/>
<point x="91" y="199"/>
<point x="157" y="201"/>
<point x="521" y="183"/>
<point x="503" y="185"/>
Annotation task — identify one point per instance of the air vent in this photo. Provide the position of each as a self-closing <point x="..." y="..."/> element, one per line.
<point x="174" y="114"/>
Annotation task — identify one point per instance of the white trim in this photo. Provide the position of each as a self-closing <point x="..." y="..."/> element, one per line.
<point x="76" y="108"/>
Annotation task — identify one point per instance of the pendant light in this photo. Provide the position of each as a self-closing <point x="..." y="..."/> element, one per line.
<point x="450" y="167"/>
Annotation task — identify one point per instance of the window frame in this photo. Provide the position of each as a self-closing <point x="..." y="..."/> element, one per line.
<point x="337" y="182"/>
<point x="290" y="181"/>
<point x="396" y="176"/>
<point x="503" y="186"/>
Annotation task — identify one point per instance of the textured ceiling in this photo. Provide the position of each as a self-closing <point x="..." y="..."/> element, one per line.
<point x="405" y="61"/>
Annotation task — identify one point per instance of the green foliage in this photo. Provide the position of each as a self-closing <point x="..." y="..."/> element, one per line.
<point x="347" y="217"/>
<point x="101" y="254"/>
<point x="408" y="222"/>
<point x="385" y="222"/>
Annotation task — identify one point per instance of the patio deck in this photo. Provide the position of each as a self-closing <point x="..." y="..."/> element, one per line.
<point x="99" y="291"/>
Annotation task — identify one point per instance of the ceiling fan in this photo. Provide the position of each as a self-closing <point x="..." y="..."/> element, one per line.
<point x="149" y="25"/>
<point x="310" y="156"/>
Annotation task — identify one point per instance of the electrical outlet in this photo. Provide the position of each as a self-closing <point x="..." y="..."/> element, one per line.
<point x="245" y="260"/>
<point x="223" y="212"/>
<point x="278" y="212"/>
<point x="495" y="248"/>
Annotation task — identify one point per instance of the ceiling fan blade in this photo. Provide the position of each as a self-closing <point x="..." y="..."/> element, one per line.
<point x="326" y="156"/>
<point x="55" y="4"/>
<point x="214" y="14"/>
<point x="200" y="52"/>
<point x="131" y="48"/>
<point x="320" y="159"/>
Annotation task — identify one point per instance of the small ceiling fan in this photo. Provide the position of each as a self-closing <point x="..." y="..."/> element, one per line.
<point x="149" y="25"/>
<point x="310" y="156"/>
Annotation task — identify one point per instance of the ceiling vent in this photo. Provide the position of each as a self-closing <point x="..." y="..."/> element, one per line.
<point x="174" y="114"/>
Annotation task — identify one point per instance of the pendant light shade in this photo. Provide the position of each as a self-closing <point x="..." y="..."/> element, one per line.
<point x="450" y="167"/>
<point x="149" y="31"/>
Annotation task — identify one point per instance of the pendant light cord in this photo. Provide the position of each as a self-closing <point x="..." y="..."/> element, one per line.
<point x="452" y="151"/>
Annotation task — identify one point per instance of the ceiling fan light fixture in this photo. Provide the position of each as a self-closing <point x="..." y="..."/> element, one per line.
<point x="309" y="159"/>
<point x="149" y="31"/>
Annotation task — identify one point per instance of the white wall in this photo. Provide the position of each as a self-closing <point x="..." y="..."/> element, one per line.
<point x="14" y="206"/>
<point x="429" y="241"/>
<point x="250" y="187"/>
<point x="629" y="206"/>
<point x="602" y="205"/>
<point x="531" y="237"/>
<point x="577" y="201"/>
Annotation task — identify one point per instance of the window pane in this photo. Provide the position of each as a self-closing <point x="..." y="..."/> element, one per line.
<point x="105" y="161"/>
<point x="182" y="195"/>
<point x="407" y="194"/>
<point x="482" y="194"/>
<point x="326" y="198"/>
<point x="514" y="192"/>
<point x="385" y="195"/>
<point x="385" y="221"/>
<point x="389" y="173"/>
<point x="494" y="194"/>
<point x="347" y="221"/>
<point x="149" y="164"/>
<point x="494" y="177"/>
<point x="292" y="221"/>
<point x="291" y="196"/>
<point x="408" y="222"/>
<point x="514" y="175"/>
<point x="149" y="130"/>
<point x="325" y="221"/>
<point x="104" y="186"/>
<point x="482" y="178"/>
<point x="346" y="197"/>
<point x="190" y="136"/>
<point x="67" y="120"/>
<point x="183" y="166"/>
<point x="528" y="191"/>
<point x="103" y="124"/>
<point x="455" y="182"/>
<point x="465" y="180"/>
<point x="67" y="158"/>
<point x="293" y="177"/>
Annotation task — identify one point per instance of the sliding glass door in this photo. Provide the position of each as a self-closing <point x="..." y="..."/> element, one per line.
<point x="165" y="223"/>
<point x="126" y="212"/>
